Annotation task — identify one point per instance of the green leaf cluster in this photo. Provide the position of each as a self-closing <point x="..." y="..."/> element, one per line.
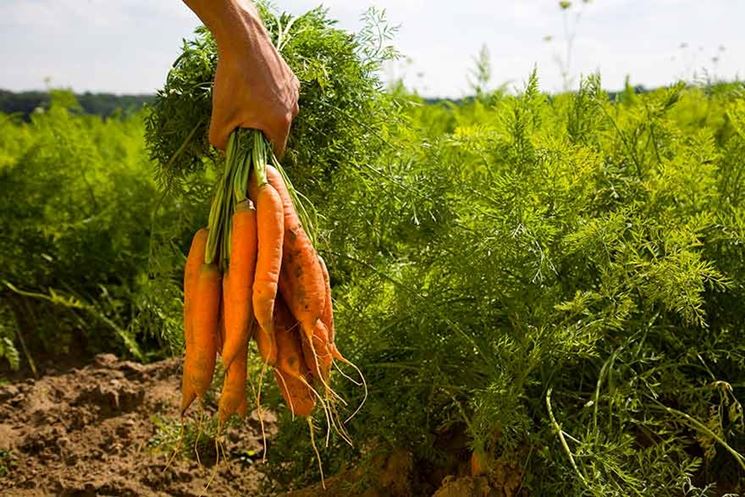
<point x="559" y="279"/>
<point x="341" y="99"/>
<point x="91" y="251"/>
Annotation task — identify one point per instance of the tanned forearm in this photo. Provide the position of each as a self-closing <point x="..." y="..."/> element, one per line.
<point x="230" y="21"/>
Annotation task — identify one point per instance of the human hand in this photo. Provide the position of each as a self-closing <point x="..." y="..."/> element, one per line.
<point x="253" y="87"/>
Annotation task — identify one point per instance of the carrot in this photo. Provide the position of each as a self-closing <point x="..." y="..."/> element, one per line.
<point x="478" y="463"/>
<point x="270" y="229"/>
<point x="328" y="307"/>
<point x="291" y="218"/>
<point x="290" y="372"/>
<point x="191" y="278"/>
<point x="233" y="396"/>
<point x="191" y="271"/>
<point x="199" y="366"/>
<point x="297" y="393"/>
<point x="317" y="350"/>
<point x="220" y="331"/>
<point x="328" y="315"/>
<point x="266" y="343"/>
<point x="238" y="281"/>
<point x="289" y="353"/>
<point x="301" y="282"/>
<point x="301" y="285"/>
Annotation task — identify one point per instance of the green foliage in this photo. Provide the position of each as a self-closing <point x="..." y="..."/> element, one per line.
<point x="343" y="107"/>
<point x="481" y="73"/>
<point x="101" y="104"/>
<point x="7" y="462"/>
<point x="8" y="351"/>
<point x="194" y="439"/>
<point x="560" y="278"/>
<point x="91" y="252"/>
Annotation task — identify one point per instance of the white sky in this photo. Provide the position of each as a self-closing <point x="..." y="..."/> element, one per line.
<point x="126" y="46"/>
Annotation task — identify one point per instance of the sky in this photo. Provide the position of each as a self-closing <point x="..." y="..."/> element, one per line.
<point x="127" y="46"/>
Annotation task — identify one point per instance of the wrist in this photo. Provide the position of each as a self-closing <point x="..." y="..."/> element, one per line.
<point x="230" y="21"/>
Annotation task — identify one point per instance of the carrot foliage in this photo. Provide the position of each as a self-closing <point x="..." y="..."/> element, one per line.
<point x="558" y="279"/>
<point x="342" y="105"/>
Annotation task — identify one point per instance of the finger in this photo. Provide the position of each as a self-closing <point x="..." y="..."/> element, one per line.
<point x="221" y="126"/>
<point x="217" y="135"/>
<point x="222" y="118"/>
<point x="219" y="132"/>
<point x="279" y="140"/>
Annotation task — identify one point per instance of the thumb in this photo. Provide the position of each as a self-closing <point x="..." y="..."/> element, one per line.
<point x="221" y="120"/>
<point x="280" y="132"/>
<point x="218" y="133"/>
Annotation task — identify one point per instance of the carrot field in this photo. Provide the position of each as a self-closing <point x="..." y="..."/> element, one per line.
<point x="544" y="292"/>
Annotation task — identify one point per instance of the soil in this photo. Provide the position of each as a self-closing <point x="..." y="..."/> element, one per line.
<point x="91" y="432"/>
<point x="109" y="429"/>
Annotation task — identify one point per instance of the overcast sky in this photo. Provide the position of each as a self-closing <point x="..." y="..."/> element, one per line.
<point x="126" y="46"/>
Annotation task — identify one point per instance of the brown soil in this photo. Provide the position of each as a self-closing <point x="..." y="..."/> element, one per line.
<point x="92" y="431"/>
<point x="109" y="429"/>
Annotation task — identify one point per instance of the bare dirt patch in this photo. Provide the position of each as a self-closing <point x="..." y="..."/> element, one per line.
<point x="90" y="431"/>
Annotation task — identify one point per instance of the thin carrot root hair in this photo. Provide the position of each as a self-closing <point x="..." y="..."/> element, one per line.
<point x="213" y="473"/>
<point x="322" y="402"/>
<point x="256" y="391"/>
<point x="315" y="449"/>
<point x="326" y="409"/>
<point x="289" y="398"/>
<point x="329" y="392"/>
<point x="174" y="452"/>
<point x="340" y="429"/>
<point x="258" y="410"/>
<point x="346" y="376"/>
<point x="352" y="365"/>
<point x="328" y="402"/>
<point x="307" y="384"/>
<point x="196" y="439"/>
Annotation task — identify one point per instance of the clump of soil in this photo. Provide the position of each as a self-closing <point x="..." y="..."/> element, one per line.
<point x="93" y="431"/>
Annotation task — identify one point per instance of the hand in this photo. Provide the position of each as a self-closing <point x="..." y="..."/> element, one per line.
<point x="254" y="87"/>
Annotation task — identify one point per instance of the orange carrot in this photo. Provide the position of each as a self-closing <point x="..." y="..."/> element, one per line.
<point x="289" y="354"/>
<point x="479" y="463"/>
<point x="291" y="219"/>
<point x="220" y="331"/>
<point x="191" y="278"/>
<point x="191" y="271"/>
<point x="270" y="229"/>
<point x="233" y="396"/>
<point x="200" y="365"/>
<point x="290" y="372"/>
<point x="328" y="314"/>
<point x="301" y="282"/>
<point x="328" y="307"/>
<point x="297" y="394"/>
<point x="238" y="281"/>
<point x="301" y="285"/>
<point x="266" y="343"/>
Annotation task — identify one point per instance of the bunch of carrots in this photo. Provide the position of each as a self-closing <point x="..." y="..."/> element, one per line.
<point x="253" y="273"/>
